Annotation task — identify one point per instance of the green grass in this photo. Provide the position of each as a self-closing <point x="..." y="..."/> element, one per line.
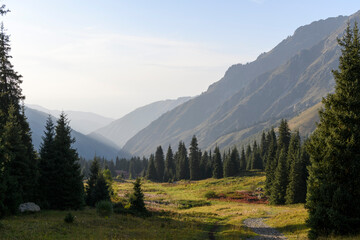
<point x="179" y="211"/>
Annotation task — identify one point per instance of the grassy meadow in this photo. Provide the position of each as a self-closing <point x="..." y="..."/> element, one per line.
<point x="180" y="210"/>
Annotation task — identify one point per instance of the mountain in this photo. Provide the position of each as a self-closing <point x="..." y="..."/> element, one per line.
<point x="292" y="77"/>
<point x="121" y="130"/>
<point x="84" y="122"/>
<point x="86" y="146"/>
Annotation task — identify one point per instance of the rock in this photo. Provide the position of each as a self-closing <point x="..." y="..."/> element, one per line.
<point x="29" y="207"/>
<point x="259" y="189"/>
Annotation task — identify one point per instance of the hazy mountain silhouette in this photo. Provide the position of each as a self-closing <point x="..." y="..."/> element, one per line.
<point x="121" y="130"/>
<point x="87" y="146"/>
<point x="83" y="122"/>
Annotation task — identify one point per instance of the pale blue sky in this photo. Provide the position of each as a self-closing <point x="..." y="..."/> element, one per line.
<point x="112" y="56"/>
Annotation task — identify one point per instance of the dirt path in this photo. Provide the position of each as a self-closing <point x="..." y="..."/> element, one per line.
<point x="265" y="232"/>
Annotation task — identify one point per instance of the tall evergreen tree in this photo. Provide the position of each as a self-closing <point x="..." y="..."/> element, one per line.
<point x="284" y="137"/>
<point x="47" y="167"/>
<point x="11" y="99"/>
<point x="248" y="155"/>
<point x="169" y="165"/>
<point x="159" y="164"/>
<point x="218" y="165"/>
<point x="204" y="163"/>
<point x="232" y="165"/>
<point x="194" y="160"/>
<point x="256" y="161"/>
<point x="296" y="190"/>
<point x="278" y="188"/>
<point x="182" y="168"/>
<point x="151" y="170"/>
<point x="91" y="183"/>
<point x="333" y="199"/>
<point x="242" y="159"/>
<point x="271" y="162"/>
<point x="69" y="187"/>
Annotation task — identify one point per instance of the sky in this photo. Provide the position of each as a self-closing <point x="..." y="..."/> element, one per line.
<point x="112" y="56"/>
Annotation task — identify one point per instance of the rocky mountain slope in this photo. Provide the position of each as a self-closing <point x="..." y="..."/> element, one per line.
<point x="292" y="77"/>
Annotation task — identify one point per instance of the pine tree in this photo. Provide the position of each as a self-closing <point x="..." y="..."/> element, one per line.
<point x="296" y="190"/>
<point x="204" y="165"/>
<point x="333" y="198"/>
<point x="159" y="164"/>
<point x="101" y="190"/>
<point x="151" y="170"/>
<point x="271" y="161"/>
<point x="256" y="161"/>
<point x="194" y="160"/>
<point x="248" y="155"/>
<point x="169" y="165"/>
<point x="137" y="198"/>
<point x="11" y="99"/>
<point x="294" y="149"/>
<point x="91" y="183"/>
<point x="182" y="168"/>
<point x="242" y="160"/>
<point x="278" y="188"/>
<point x="232" y="165"/>
<point x="218" y="165"/>
<point x="284" y="137"/>
<point x="69" y="192"/>
<point x="47" y="167"/>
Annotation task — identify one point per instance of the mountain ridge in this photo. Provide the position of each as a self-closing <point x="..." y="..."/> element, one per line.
<point x="303" y="76"/>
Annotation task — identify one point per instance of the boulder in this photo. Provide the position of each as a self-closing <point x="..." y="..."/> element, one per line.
<point x="29" y="207"/>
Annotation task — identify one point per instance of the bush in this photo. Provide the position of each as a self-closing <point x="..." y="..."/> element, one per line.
<point x="211" y="194"/>
<point x="186" y="204"/>
<point x="104" y="208"/>
<point x="69" y="218"/>
<point x="118" y="207"/>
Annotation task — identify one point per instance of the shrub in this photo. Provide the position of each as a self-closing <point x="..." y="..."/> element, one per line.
<point x="186" y="204"/>
<point x="211" y="194"/>
<point x="118" y="207"/>
<point x="69" y="218"/>
<point x="104" y="208"/>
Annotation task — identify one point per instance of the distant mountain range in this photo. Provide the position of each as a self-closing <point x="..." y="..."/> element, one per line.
<point x="83" y="122"/>
<point x="281" y="83"/>
<point x="87" y="146"/>
<point x="121" y="130"/>
<point x="106" y="141"/>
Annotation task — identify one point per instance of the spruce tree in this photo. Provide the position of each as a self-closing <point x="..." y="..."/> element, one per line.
<point x="194" y="160"/>
<point x="159" y="164"/>
<point x="296" y="190"/>
<point x="204" y="165"/>
<point x="248" y="155"/>
<point x="333" y="198"/>
<point x="101" y="190"/>
<point x="151" y="170"/>
<point x="218" y="165"/>
<point x="47" y="167"/>
<point x="169" y="173"/>
<point x="278" y="188"/>
<point x="137" y="198"/>
<point x="284" y="137"/>
<point x="69" y="187"/>
<point x="232" y="165"/>
<point x="271" y="161"/>
<point x="256" y="161"/>
<point x="182" y="169"/>
<point x="242" y="160"/>
<point x="11" y="100"/>
<point x="91" y="183"/>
